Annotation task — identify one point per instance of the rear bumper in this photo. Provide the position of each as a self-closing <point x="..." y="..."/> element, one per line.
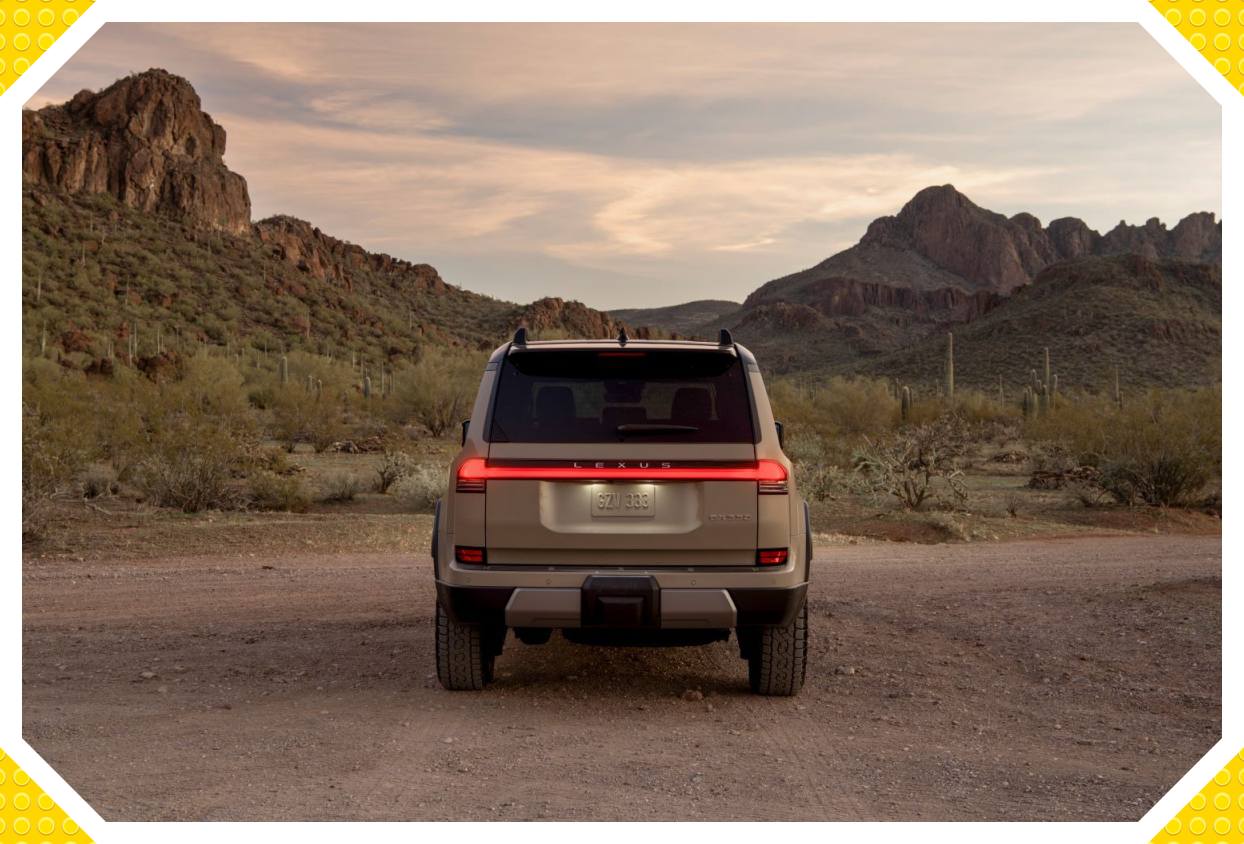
<point x="632" y="605"/>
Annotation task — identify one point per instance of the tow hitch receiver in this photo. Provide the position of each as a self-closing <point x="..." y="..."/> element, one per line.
<point x="610" y="601"/>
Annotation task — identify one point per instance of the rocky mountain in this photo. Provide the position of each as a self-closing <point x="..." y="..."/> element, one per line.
<point x="144" y="140"/>
<point x="941" y="239"/>
<point x="944" y="262"/>
<point x="133" y="223"/>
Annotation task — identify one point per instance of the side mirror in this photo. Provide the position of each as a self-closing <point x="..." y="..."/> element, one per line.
<point x="781" y="429"/>
<point x="466" y="423"/>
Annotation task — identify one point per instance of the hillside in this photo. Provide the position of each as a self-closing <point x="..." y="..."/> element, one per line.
<point x="1157" y="321"/>
<point x="682" y="319"/>
<point x="133" y="223"/>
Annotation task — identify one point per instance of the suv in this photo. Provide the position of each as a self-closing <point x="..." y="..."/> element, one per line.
<point x="623" y="492"/>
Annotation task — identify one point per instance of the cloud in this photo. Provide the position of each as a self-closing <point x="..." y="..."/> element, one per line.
<point x="656" y="163"/>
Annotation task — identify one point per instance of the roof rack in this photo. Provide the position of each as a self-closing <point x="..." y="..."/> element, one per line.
<point x="520" y="336"/>
<point x="724" y="338"/>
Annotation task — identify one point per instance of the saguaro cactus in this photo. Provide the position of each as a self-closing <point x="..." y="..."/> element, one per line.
<point x="284" y="370"/>
<point x="905" y="403"/>
<point x="950" y="365"/>
<point x="1054" y="391"/>
<point x="367" y="386"/>
<point x="1118" y="393"/>
<point x="1046" y="351"/>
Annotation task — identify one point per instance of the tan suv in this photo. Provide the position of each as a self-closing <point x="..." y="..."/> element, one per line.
<point x="623" y="492"/>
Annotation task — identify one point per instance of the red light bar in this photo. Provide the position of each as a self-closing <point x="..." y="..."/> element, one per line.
<point x="475" y="471"/>
<point x="772" y="556"/>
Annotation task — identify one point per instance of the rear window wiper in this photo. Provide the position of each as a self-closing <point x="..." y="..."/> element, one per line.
<point x="656" y="428"/>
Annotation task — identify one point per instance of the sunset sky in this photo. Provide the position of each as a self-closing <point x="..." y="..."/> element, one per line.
<point x="642" y="165"/>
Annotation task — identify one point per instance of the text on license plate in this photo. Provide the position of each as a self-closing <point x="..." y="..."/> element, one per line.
<point x="612" y="500"/>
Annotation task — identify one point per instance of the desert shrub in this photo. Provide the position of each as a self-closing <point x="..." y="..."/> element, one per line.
<point x="270" y="491"/>
<point x="98" y="480"/>
<point x="1161" y="448"/>
<point x="437" y="391"/>
<point x="192" y="458"/>
<point x="394" y="465"/>
<point x="44" y="469"/>
<point x="340" y="487"/>
<point x="420" y="488"/>
<point x="843" y="407"/>
<point x="213" y="386"/>
<point x="975" y="406"/>
<point x="818" y="475"/>
<point x="917" y="462"/>
<point x="301" y="415"/>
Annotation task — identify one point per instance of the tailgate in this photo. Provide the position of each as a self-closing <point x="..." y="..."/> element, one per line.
<point x="593" y="518"/>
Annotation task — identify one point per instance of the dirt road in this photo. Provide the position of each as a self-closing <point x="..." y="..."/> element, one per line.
<point x="1060" y="679"/>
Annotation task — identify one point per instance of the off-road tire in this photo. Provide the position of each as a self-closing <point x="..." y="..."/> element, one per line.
<point x="778" y="659"/>
<point x="464" y="655"/>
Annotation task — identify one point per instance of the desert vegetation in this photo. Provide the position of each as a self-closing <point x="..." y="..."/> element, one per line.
<point x="219" y="430"/>
<point x="245" y="430"/>
<point x="873" y="449"/>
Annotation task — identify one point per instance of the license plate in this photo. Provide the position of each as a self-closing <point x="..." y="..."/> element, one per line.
<point x="621" y="500"/>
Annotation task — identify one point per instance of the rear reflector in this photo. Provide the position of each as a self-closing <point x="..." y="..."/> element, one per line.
<point x="772" y="556"/>
<point x="475" y="472"/>
<point x="468" y="554"/>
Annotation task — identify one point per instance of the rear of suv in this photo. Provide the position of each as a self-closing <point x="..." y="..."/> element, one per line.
<point x="622" y="492"/>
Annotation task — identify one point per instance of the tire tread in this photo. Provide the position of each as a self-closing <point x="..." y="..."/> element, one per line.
<point x="462" y="661"/>
<point x="779" y="664"/>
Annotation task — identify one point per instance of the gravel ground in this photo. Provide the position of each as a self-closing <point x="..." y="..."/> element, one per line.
<point x="1059" y="679"/>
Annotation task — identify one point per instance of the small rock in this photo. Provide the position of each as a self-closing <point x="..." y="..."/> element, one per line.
<point x="148" y="675"/>
<point x="162" y="690"/>
<point x="845" y="669"/>
<point x="692" y="695"/>
<point x="448" y="740"/>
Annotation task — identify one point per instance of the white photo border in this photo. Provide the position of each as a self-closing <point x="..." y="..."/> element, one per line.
<point x="1034" y="11"/>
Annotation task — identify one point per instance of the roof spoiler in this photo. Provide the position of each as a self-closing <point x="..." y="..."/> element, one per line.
<point x="724" y="339"/>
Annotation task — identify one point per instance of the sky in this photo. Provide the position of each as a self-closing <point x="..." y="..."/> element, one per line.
<point x="638" y="165"/>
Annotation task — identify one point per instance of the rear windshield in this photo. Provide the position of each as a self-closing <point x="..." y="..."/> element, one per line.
<point x="589" y="396"/>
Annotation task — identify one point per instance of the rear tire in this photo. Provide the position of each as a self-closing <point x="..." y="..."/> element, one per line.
<point x="777" y="661"/>
<point x="464" y="654"/>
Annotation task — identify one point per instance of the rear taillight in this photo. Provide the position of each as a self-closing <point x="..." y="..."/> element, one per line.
<point x="772" y="556"/>
<point x="771" y="478"/>
<point x="475" y="472"/>
<point x="471" y="475"/>
<point x="470" y="555"/>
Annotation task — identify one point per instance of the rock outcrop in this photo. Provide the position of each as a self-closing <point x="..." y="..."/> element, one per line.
<point x="574" y="319"/>
<point x="326" y="258"/>
<point x="146" y="141"/>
